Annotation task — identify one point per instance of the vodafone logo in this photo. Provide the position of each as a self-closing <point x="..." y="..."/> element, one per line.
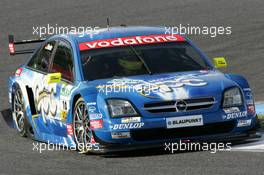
<point x="133" y="40"/>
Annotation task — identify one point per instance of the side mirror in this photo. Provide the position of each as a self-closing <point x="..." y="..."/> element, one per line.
<point x="220" y="62"/>
<point x="53" y="78"/>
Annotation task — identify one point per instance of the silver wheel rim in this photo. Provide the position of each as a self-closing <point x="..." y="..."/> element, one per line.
<point x="81" y="126"/>
<point x="18" y="112"/>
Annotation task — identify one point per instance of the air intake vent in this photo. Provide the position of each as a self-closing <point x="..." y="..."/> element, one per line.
<point x="179" y="105"/>
<point x="163" y="133"/>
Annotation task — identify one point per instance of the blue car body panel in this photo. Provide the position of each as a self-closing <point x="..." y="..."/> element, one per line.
<point x="54" y="129"/>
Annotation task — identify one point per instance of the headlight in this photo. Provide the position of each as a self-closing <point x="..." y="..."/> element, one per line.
<point x="232" y="97"/>
<point x="121" y="108"/>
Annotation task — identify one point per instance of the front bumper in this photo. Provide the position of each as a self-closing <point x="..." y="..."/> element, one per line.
<point x="203" y="134"/>
<point x="110" y="148"/>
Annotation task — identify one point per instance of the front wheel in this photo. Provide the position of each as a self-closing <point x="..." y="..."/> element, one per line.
<point x="81" y="127"/>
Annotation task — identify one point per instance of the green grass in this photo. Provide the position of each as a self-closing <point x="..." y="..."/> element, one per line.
<point x="261" y="118"/>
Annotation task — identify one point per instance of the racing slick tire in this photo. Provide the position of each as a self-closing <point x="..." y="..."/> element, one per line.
<point x="81" y="127"/>
<point x="19" y="114"/>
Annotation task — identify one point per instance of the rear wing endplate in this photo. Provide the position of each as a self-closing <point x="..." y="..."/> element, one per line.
<point x="12" y="43"/>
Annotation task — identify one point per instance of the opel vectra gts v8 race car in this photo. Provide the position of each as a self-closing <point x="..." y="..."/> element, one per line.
<point x="126" y="88"/>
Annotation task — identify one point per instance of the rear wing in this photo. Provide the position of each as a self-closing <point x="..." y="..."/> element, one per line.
<point x="12" y="43"/>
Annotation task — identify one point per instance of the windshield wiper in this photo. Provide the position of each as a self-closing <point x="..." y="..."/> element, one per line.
<point x="141" y="59"/>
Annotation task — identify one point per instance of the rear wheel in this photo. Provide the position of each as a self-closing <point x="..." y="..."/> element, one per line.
<point x="19" y="115"/>
<point x="18" y="112"/>
<point x="81" y="127"/>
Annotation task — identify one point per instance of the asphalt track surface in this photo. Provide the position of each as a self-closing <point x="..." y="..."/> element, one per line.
<point x="243" y="49"/>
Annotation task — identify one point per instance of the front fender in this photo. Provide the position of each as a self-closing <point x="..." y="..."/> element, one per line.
<point x="80" y="91"/>
<point x="239" y="79"/>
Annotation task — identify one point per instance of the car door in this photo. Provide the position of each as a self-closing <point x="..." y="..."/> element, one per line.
<point x="62" y="62"/>
<point x="38" y="91"/>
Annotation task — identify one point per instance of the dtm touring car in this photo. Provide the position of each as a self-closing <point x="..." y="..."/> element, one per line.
<point x="127" y="88"/>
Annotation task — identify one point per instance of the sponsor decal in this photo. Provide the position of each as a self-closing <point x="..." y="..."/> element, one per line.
<point x="130" y="119"/>
<point x="48" y="47"/>
<point x="65" y="91"/>
<point x="111" y="86"/>
<point x="250" y="102"/>
<point x="249" y="97"/>
<point x="63" y="115"/>
<point x="127" y="126"/>
<point x="19" y="72"/>
<point x="46" y="102"/>
<point x="243" y="123"/>
<point x="91" y="109"/>
<point x="180" y="82"/>
<point x="162" y="87"/>
<point x="69" y="129"/>
<point x="133" y="40"/>
<point x="235" y="115"/>
<point x="186" y="121"/>
<point x="120" y="135"/>
<point x="64" y="106"/>
<point x="231" y="110"/>
<point x="168" y="86"/>
<point x="96" y="124"/>
<point x="95" y="116"/>
<point x="125" y="81"/>
<point x="246" y="89"/>
<point x="51" y="101"/>
<point x="91" y="103"/>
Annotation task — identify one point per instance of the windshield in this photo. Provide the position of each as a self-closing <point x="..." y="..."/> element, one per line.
<point x="141" y="59"/>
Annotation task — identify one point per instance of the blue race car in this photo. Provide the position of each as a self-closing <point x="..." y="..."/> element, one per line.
<point x="127" y="88"/>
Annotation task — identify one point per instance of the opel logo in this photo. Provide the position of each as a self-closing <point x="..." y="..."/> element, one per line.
<point x="180" y="106"/>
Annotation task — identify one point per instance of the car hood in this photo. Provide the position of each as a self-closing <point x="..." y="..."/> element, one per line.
<point x="167" y="86"/>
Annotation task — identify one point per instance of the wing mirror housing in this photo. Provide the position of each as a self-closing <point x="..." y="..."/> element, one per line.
<point x="53" y="78"/>
<point x="220" y="62"/>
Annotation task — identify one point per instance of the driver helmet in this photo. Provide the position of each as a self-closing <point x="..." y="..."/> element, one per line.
<point x="130" y="61"/>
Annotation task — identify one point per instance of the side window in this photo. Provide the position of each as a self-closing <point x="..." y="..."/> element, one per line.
<point x="40" y="61"/>
<point x="62" y="61"/>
